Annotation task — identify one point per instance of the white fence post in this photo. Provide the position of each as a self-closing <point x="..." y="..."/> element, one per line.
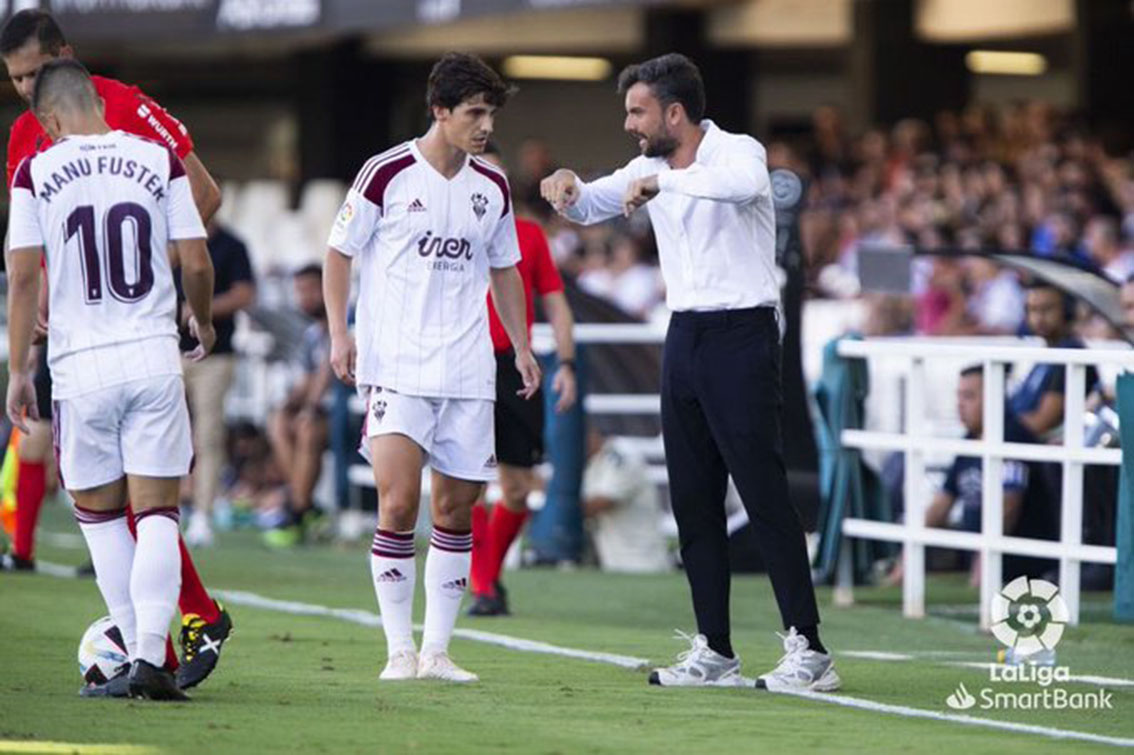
<point x="992" y="489"/>
<point x="1071" y="521"/>
<point x="913" y="548"/>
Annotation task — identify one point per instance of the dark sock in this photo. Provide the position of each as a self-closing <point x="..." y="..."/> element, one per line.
<point x="812" y="635"/>
<point x="720" y="643"/>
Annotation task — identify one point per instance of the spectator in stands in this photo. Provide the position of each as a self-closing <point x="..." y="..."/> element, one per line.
<point x="298" y="429"/>
<point x="1102" y="244"/>
<point x="622" y="509"/>
<point x="996" y="302"/>
<point x="207" y="382"/>
<point x="1126" y="297"/>
<point x="1038" y="401"/>
<point x="1028" y="508"/>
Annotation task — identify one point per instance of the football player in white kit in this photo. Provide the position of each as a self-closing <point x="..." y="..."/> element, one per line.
<point x="104" y="206"/>
<point x="432" y="227"/>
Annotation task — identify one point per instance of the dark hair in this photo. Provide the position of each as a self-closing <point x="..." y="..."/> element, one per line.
<point x="458" y="77"/>
<point x="671" y="78"/>
<point x="64" y="81"/>
<point x="1068" y="301"/>
<point x="311" y="269"/>
<point x="973" y="369"/>
<point x="29" y="24"/>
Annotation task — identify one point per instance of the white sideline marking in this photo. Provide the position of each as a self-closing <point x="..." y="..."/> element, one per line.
<point x="1113" y="681"/>
<point x="39" y="747"/>
<point x="876" y="655"/>
<point x="902" y="710"/>
<point x="370" y="619"/>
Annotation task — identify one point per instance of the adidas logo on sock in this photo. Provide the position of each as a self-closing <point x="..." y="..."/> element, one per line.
<point x="416" y="206"/>
<point x="455" y="584"/>
<point x="391" y="575"/>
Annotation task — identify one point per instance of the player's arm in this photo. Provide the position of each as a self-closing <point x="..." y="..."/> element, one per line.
<point x="24" y="258"/>
<point x="336" y="293"/>
<point x="197" y="281"/>
<point x="23" y="292"/>
<point x="511" y="305"/>
<point x="206" y="193"/>
<point x="187" y="241"/>
<point x="593" y="202"/>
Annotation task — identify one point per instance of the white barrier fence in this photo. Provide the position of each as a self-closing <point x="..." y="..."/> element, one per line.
<point x="990" y="542"/>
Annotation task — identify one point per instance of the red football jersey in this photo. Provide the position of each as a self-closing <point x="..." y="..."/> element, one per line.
<point x="127" y="109"/>
<point x="538" y="272"/>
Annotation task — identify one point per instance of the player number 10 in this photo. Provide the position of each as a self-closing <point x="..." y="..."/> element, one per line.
<point x="81" y="221"/>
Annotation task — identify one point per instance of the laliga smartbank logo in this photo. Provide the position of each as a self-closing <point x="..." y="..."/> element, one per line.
<point x="1028" y="618"/>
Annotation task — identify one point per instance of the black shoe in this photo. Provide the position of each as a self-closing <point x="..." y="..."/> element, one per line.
<point x="12" y="562"/>
<point x="151" y="682"/>
<point x="201" y="645"/>
<point x="116" y="686"/>
<point x="488" y="605"/>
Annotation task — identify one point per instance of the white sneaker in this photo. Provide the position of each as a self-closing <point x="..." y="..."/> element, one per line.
<point x="800" y="669"/>
<point x="400" y="666"/>
<point x="440" y="666"/>
<point x="199" y="534"/>
<point x="699" y="666"/>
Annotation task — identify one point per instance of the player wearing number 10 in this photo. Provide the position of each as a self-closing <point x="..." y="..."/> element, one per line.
<point x="103" y="206"/>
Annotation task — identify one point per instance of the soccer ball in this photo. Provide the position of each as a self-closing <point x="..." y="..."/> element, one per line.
<point x="101" y="651"/>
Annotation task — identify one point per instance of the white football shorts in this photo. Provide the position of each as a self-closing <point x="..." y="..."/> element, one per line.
<point x="458" y="435"/>
<point x="140" y="427"/>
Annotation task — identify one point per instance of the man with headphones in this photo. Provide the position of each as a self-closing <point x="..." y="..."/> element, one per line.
<point x="1038" y="401"/>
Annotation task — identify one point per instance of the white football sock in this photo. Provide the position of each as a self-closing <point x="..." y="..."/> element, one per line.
<point x="112" y="553"/>
<point x="446" y="577"/>
<point x="155" y="580"/>
<point x="394" y="572"/>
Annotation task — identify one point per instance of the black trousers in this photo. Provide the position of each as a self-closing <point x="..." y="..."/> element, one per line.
<point x="721" y="401"/>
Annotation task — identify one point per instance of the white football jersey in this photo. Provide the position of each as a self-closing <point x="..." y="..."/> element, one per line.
<point x="425" y="245"/>
<point x="104" y="208"/>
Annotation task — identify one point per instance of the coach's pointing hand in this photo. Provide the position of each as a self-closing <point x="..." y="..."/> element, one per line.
<point x="561" y="189"/>
<point x="638" y="193"/>
<point x="343" y="356"/>
<point x="528" y="368"/>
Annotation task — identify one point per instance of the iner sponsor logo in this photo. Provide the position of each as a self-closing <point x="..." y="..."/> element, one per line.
<point x="442" y="248"/>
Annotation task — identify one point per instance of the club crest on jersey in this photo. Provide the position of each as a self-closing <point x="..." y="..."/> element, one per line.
<point x="479" y="205"/>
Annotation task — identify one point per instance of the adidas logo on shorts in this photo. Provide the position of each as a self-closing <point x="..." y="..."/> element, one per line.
<point x="392" y="575"/>
<point x="491" y="463"/>
<point x="416" y="206"/>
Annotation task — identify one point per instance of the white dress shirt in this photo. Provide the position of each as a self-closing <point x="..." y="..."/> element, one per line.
<point x="714" y="222"/>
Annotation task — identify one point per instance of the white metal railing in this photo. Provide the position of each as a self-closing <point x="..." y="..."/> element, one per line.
<point x="990" y="542"/>
<point x="543" y="342"/>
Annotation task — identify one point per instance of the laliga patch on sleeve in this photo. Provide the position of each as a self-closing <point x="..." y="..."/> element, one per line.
<point x="346" y="214"/>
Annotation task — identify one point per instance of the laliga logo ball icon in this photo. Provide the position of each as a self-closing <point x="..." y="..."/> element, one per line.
<point x="1029" y="616"/>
